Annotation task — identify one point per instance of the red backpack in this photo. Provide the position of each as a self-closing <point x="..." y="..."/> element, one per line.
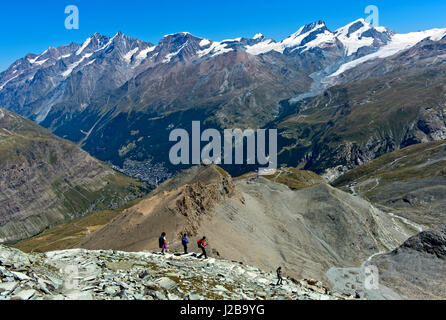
<point x="201" y="243"/>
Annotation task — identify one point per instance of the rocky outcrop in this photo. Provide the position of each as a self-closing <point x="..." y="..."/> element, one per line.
<point x="431" y="242"/>
<point x="199" y="200"/>
<point x="416" y="269"/>
<point x="111" y="275"/>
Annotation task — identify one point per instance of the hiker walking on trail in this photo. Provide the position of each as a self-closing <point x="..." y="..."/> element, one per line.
<point x="279" y="276"/>
<point x="163" y="243"/>
<point x="202" y="245"/>
<point x="184" y="241"/>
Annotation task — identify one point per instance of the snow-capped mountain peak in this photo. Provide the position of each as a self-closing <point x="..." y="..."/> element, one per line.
<point x="359" y="34"/>
<point x="205" y="43"/>
<point x="308" y="36"/>
<point x="318" y="25"/>
<point x="356" y="26"/>
<point x="258" y="36"/>
<point x="396" y="44"/>
<point x="305" y="34"/>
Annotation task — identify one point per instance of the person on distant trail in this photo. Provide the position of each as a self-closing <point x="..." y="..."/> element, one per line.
<point x="163" y="243"/>
<point x="279" y="276"/>
<point x="357" y="295"/>
<point x="184" y="241"/>
<point x="202" y="245"/>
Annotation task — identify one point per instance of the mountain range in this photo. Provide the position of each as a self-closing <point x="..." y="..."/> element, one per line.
<point x="120" y="97"/>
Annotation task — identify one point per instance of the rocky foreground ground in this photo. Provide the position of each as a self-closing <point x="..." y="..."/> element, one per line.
<point x="110" y="275"/>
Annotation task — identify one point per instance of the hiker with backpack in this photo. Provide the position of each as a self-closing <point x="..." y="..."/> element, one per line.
<point x="279" y="276"/>
<point x="185" y="242"/>
<point x="202" y="245"/>
<point x="163" y="243"/>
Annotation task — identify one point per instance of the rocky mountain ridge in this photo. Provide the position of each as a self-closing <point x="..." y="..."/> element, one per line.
<point x="112" y="275"/>
<point x="257" y="221"/>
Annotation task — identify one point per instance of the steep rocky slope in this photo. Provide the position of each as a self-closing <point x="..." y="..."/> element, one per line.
<point x="111" y="275"/>
<point x="416" y="269"/>
<point x="307" y="231"/>
<point x="256" y="221"/>
<point x="178" y="206"/>
<point x="46" y="180"/>
<point x="410" y="182"/>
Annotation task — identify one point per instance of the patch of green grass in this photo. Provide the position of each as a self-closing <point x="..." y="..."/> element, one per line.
<point x="296" y="179"/>
<point x="53" y="158"/>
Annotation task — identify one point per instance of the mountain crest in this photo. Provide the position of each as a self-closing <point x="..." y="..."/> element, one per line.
<point x="318" y="25"/>
<point x="259" y="36"/>
<point x="108" y="63"/>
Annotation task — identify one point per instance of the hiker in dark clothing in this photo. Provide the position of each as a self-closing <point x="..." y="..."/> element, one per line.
<point x="202" y="245"/>
<point x="163" y="243"/>
<point x="184" y="241"/>
<point x="357" y="295"/>
<point x="279" y="276"/>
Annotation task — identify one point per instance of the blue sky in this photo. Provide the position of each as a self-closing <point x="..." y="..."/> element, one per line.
<point x="33" y="26"/>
